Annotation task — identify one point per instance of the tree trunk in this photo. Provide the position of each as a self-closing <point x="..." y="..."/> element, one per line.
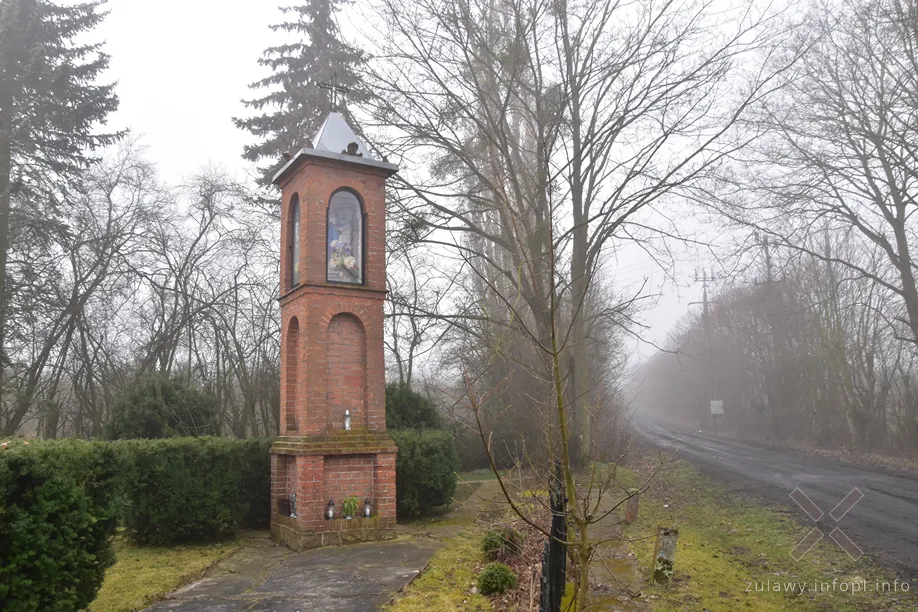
<point x="6" y="164"/>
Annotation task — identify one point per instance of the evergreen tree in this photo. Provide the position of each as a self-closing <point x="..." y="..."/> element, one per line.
<point x="408" y="409"/>
<point x="293" y="105"/>
<point x="162" y="407"/>
<point x="50" y="110"/>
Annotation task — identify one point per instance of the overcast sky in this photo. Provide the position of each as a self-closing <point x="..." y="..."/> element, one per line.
<point x="182" y="69"/>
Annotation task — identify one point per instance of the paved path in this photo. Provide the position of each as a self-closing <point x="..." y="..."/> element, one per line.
<point x="883" y="522"/>
<point x="263" y="577"/>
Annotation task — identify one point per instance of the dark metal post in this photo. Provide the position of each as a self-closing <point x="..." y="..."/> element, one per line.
<point x="554" y="554"/>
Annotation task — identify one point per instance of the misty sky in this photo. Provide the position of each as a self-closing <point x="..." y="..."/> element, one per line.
<point x="182" y="69"/>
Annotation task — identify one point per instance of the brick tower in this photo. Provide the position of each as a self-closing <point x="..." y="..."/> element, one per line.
<point x="333" y="443"/>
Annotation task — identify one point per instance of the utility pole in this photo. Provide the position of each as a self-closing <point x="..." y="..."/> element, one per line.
<point x="705" y="279"/>
<point x="771" y="303"/>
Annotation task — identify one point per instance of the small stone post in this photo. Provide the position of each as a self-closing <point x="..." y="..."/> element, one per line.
<point x="631" y="510"/>
<point x="664" y="554"/>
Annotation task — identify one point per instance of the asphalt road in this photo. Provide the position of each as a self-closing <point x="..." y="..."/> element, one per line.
<point x="884" y="523"/>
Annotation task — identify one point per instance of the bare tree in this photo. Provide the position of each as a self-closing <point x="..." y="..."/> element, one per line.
<point x="839" y="148"/>
<point x="821" y="365"/>
<point x="103" y="224"/>
<point x="540" y="113"/>
<point x="551" y="129"/>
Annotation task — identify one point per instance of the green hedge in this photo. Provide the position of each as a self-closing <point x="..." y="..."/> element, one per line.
<point x="56" y="522"/>
<point x="425" y="470"/>
<point x="193" y="489"/>
<point x="59" y="502"/>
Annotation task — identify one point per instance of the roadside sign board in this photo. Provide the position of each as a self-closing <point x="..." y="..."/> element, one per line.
<point x="717" y="407"/>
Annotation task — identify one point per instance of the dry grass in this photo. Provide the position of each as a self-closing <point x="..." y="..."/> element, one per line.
<point x="143" y="575"/>
<point x="734" y="554"/>
<point x="446" y="583"/>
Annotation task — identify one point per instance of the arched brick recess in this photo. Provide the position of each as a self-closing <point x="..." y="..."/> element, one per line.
<point x="347" y="371"/>
<point x="292" y="378"/>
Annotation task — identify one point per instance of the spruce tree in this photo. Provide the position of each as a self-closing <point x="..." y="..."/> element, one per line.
<point x="50" y="110"/>
<point x="293" y="104"/>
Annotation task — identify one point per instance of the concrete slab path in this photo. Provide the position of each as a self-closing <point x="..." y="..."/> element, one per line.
<point x="264" y="577"/>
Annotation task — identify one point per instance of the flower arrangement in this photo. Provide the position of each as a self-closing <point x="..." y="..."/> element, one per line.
<point x="340" y="257"/>
<point x="350" y="506"/>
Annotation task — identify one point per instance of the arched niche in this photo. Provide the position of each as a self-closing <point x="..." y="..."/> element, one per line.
<point x="346" y="359"/>
<point x="292" y="373"/>
<point x="293" y="241"/>
<point x="345" y="238"/>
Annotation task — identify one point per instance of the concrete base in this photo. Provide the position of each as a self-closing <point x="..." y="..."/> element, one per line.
<point x="262" y="577"/>
<point x="307" y="472"/>
<point x="286" y="531"/>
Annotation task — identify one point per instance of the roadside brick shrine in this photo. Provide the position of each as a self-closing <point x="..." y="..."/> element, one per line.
<point x="333" y="446"/>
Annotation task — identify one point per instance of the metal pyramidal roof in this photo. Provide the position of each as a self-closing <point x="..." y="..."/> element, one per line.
<point x="336" y="141"/>
<point x="335" y="135"/>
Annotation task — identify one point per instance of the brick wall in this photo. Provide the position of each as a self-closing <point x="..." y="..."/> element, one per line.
<point x="333" y="359"/>
<point x="283" y="478"/>
<point x="347" y="476"/>
<point x="346" y="372"/>
<point x="292" y="358"/>
<point x="310" y="496"/>
<point x="384" y="480"/>
<point x="315" y="303"/>
<point x="313" y="183"/>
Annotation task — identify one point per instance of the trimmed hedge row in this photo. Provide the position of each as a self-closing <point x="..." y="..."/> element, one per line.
<point x="60" y="500"/>
<point x="57" y="516"/>
<point x="425" y="470"/>
<point x="194" y="489"/>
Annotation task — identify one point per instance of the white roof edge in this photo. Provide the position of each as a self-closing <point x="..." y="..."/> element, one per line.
<point x="344" y="157"/>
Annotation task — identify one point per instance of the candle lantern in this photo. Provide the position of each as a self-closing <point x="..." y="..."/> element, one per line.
<point x="330" y="511"/>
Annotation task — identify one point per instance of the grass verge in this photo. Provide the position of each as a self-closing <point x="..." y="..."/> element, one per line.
<point x="446" y="583"/>
<point x="475" y="475"/>
<point x="734" y="554"/>
<point x="143" y="575"/>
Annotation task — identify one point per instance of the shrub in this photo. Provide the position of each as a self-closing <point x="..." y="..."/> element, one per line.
<point x="496" y="578"/>
<point x="425" y="470"/>
<point x="193" y="489"/>
<point x="407" y="409"/>
<point x="502" y="543"/>
<point x="56" y="523"/>
<point x="159" y="407"/>
<point x="256" y="481"/>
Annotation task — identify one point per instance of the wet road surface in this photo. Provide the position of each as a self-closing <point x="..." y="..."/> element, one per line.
<point x="884" y="523"/>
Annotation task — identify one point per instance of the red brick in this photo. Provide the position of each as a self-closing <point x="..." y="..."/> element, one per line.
<point x="332" y="360"/>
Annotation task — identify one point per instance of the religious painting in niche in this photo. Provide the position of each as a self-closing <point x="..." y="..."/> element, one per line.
<point x="345" y="239"/>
